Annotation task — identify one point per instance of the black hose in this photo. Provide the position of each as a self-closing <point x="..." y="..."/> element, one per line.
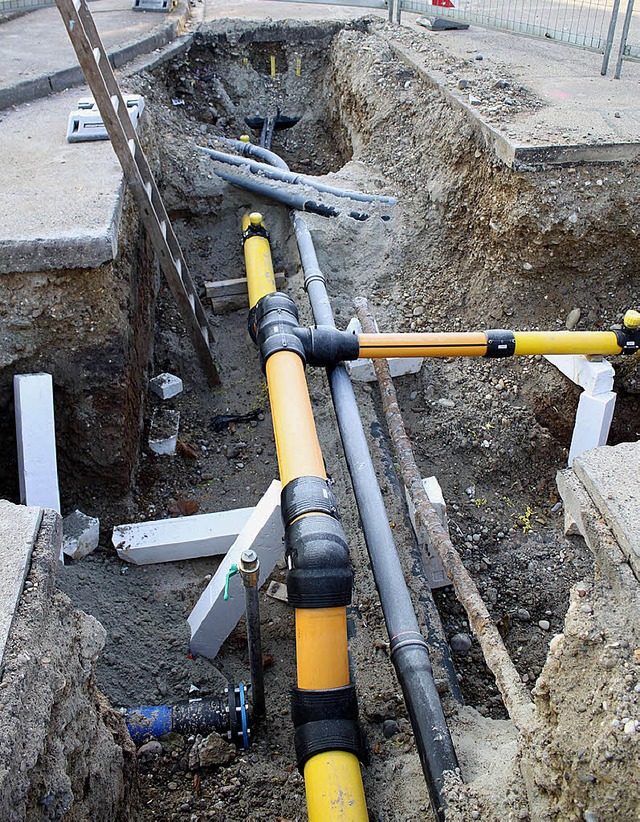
<point x="294" y="201"/>
<point x="291" y="177"/>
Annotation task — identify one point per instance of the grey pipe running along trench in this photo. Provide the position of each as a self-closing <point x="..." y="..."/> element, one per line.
<point x="295" y="201"/>
<point x="296" y="179"/>
<point x="408" y="649"/>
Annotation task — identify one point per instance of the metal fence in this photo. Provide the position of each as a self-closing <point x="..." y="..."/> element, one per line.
<point x="11" y="6"/>
<point x="584" y="23"/>
<point x="630" y="39"/>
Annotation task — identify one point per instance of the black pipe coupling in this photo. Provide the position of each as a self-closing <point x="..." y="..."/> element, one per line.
<point x="256" y="229"/>
<point x="272" y="321"/>
<point x="319" y="573"/>
<point x="500" y="343"/>
<point x="307" y="495"/>
<point x="628" y="338"/>
<point x="326" y="721"/>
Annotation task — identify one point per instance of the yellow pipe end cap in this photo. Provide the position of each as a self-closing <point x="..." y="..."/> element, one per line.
<point x="244" y="138"/>
<point x="632" y="319"/>
<point x="255" y="218"/>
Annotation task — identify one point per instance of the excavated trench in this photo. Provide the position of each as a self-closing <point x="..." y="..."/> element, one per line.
<point x="470" y="245"/>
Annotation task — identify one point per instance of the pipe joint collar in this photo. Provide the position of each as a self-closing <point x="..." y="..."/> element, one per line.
<point x="307" y="495"/>
<point x="628" y="339"/>
<point x="272" y="322"/>
<point x="314" y="738"/>
<point x="320" y="573"/>
<point x="314" y="706"/>
<point x="327" y="346"/>
<point x="500" y="343"/>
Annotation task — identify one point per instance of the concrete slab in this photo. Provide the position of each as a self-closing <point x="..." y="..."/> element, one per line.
<point x="61" y="202"/>
<point x="611" y="475"/>
<point x="170" y="540"/>
<point x="213" y="617"/>
<point x="36" y="56"/>
<point x="19" y="527"/>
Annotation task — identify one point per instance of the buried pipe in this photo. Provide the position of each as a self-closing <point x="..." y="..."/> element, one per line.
<point x="247" y="149"/>
<point x="227" y="715"/>
<point x="290" y="177"/>
<point x="319" y="579"/>
<point x="280" y="195"/>
<point x="409" y="651"/>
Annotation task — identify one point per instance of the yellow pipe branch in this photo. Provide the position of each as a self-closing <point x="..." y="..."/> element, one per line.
<point x="474" y="344"/>
<point x="333" y="780"/>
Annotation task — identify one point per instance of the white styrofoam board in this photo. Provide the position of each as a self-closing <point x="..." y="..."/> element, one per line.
<point x="595" y="376"/>
<point x="213" y="618"/>
<point x="36" y="438"/>
<point x="593" y="421"/>
<point x="171" y="540"/>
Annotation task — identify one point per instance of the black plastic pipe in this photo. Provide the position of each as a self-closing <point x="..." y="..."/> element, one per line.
<point x="291" y="177"/>
<point x="280" y="195"/>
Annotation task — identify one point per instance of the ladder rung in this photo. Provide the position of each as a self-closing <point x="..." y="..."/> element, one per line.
<point x="192" y="300"/>
<point x="77" y="4"/>
<point x="178" y="264"/>
<point x="163" y="228"/>
<point x="149" y="189"/>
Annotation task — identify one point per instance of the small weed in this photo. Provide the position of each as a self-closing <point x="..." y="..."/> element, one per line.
<point x="524" y="520"/>
<point x="480" y="502"/>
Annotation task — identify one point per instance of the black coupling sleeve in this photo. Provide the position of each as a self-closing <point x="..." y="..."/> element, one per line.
<point x="500" y="343"/>
<point x="320" y="573"/>
<point x="271" y="324"/>
<point x="328" y="346"/>
<point x="628" y="339"/>
<point x="327" y="735"/>
<point x="315" y="706"/>
<point x="307" y="495"/>
<point x="254" y="231"/>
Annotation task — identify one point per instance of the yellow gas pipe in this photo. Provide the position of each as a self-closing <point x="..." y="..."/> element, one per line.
<point x="333" y="780"/>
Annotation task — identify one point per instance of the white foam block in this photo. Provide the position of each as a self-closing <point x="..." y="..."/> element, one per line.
<point x="36" y="437"/>
<point x="213" y="617"/>
<point x="595" y="376"/>
<point x="171" y="540"/>
<point x="593" y="420"/>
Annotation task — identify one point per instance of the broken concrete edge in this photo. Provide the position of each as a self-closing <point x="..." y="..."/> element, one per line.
<point x="612" y="564"/>
<point x="514" y="156"/>
<point x="59" y="738"/>
<point x="80" y="534"/>
<point x="19" y="528"/>
<point x="73" y="251"/>
<point x="61" y="80"/>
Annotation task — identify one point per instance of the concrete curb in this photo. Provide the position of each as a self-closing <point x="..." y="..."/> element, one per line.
<point x="512" y="154"/>
<point x="65" y="78"/>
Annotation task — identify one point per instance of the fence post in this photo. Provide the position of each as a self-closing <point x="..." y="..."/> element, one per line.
<point x="610" y="35"/>
<point x="623" y="39"/>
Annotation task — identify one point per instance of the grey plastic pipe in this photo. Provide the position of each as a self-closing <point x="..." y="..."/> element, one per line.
<point x="295" y="201"/>
<point x="290" y="177"/>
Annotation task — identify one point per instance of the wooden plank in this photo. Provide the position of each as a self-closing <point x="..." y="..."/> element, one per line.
<point x="229" y="288"/>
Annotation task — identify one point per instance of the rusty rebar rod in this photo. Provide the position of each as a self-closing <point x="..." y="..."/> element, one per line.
<point x="514" y="694"/>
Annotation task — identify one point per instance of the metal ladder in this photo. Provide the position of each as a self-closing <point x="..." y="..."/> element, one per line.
<point x="104" y="87"/>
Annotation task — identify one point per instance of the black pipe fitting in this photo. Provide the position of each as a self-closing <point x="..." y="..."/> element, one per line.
<point x="271" y="324"/>
<point x="314" y="738"/>
<point x="320" y="573"/>
<point x="307" y="495"/>
<point x="500" y="343"/>
<point x="334" y="703"/>
<point x="328" y="346"/>
<point x="628" y="339"/>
